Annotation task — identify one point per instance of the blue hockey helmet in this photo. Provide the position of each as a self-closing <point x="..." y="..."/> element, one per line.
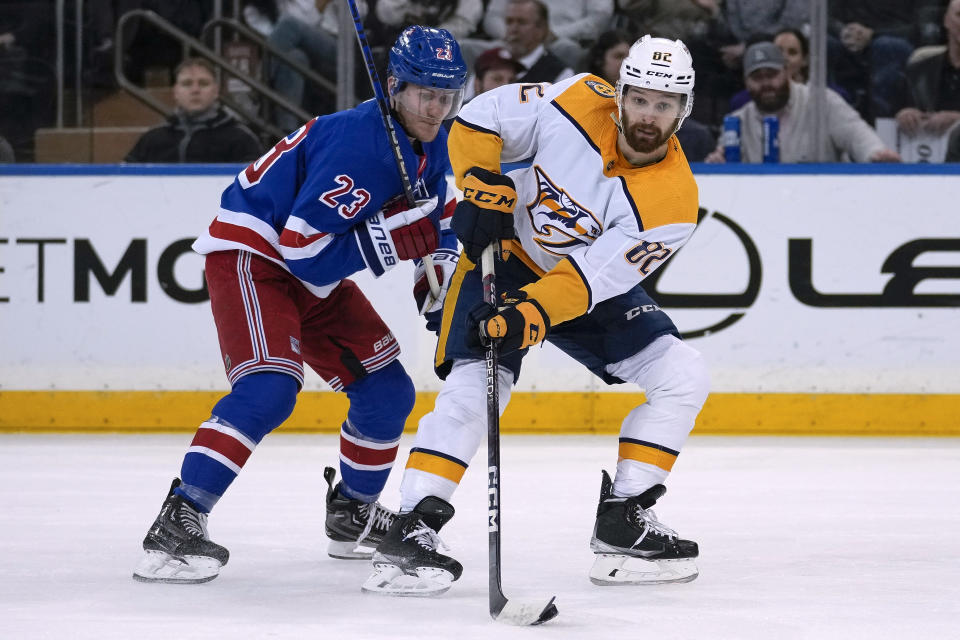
<point x="429" y="57"/>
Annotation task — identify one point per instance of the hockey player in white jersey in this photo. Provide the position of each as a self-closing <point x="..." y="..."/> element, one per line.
<point x="608" y="198"/>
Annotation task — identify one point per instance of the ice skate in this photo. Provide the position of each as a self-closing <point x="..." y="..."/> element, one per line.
<point x="177" y="547"/>
<point x="633" y="547"/>
<point x="407" y="562"/>
<point x="355" y="528"/>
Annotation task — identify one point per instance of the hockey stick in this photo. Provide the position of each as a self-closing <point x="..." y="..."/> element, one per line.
<point x="501" y="609"/>
<point x="391" y="134"/>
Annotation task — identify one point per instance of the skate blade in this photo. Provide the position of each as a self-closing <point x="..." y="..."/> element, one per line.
<point x="157" y="566"/>
<point x="390" y="580"/>
<point x="348" y="550"/>
<point x="617" y="569"/>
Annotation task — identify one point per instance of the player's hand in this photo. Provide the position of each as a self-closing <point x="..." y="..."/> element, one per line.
<point x="444" y="264"/>
<point x="413" y="233"/>
<point x="485" y="214"/>
<point x="520" y="324"/>
<point x="397" y="232"/>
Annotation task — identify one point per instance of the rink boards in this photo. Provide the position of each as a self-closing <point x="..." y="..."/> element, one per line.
<point x="826" y="300"/>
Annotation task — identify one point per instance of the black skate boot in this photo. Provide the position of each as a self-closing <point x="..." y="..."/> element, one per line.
<point x="407" y="562"/>
<point x="626" y="529"/>
<point x="177" y="547"/>
<point x="355" y="528"/>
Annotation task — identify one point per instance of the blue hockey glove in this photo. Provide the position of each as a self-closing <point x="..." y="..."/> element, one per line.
<point x="398" y="232"/>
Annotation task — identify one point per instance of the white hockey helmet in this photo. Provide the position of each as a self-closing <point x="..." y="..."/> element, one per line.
<point x="659" y="64"/>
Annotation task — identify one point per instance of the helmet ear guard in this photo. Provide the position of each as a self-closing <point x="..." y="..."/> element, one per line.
<point x="661" y="65"/>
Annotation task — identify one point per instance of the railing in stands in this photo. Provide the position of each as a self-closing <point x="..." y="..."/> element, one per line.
<point x="224" y="65"/>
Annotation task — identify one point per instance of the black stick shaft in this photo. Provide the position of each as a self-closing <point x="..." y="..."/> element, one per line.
<point x="497" y="599"/>
<point x="391" y="133"/>
<point x="381" y="101"/>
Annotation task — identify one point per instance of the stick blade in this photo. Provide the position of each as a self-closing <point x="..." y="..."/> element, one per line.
<point x="527" y="613"/>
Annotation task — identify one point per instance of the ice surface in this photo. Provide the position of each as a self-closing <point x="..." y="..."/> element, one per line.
<point x="800" y="538"/>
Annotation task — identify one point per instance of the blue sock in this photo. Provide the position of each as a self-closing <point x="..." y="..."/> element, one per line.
<point x="379" y="406"/>
<point x="257" y="404"/>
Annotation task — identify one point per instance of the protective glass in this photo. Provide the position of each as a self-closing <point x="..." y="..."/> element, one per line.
<point x="650" y="102"/>
<point x="433" y="105"/>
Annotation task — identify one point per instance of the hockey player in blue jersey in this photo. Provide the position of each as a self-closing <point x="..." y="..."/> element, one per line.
<point x="324" y="203"/>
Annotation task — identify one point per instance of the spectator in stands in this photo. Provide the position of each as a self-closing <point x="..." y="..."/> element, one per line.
<point x="606" y="54"/>
<point x="306" y="30"/>
<point x="27" y="75"/>
<point x="199" y="130"/>
<point x="796" y="51"/>
<point x="572" y="25"/>
<point x="6" y="152"/>
<point x="527" y="30"/>
<point x="687" y="20"/>
<point x="460" y="17"/>
<point x="603" y="60"/>
<point x="868" y="46"/>
<point x="495" y="68"/>
<point x="930" y="87"/>
<point x="716" y="48"/>
<point x="750" y="19"/>
<point x="773" y="93"/>
<point x="146" y="46"/>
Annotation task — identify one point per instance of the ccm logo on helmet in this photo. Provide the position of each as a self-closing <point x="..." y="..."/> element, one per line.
<point x="659" y="74"/>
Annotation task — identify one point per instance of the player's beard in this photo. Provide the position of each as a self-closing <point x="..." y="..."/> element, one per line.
<point x="644" y="138"/>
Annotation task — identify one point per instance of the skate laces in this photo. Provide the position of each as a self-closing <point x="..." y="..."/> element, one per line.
<point x="192" y="521"/>
<point x="377" y="518"/>
<point x="649" y="519"/>
<point x="426" y="537"/>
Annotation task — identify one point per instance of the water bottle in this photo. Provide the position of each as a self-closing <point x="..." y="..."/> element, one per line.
<point x="771" y="139"/>
<point x="730" y="138"/>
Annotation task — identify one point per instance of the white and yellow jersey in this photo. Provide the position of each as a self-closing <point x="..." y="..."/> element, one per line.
<point x="585" y="217"/>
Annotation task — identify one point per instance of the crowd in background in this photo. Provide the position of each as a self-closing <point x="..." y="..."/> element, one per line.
<point x="894" y="59"/>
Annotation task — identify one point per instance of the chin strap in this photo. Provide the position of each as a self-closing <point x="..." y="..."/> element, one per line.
<point x="616" y="121"/>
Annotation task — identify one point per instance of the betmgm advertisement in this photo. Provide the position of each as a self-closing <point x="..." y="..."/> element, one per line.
<point x="816" y="299"/>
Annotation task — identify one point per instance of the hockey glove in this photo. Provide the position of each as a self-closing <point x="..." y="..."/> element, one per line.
<point x="398" y="232"/>
<point x="444" y="264"/>
<point x="520" y="324"/>
<point x="486" y="212"/>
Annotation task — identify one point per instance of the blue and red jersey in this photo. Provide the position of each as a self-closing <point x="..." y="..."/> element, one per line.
<point x="300" y="204"/>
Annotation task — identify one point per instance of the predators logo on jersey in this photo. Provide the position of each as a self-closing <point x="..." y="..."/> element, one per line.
<point x="560" y="223"/>
<point x="602" y="89"/>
